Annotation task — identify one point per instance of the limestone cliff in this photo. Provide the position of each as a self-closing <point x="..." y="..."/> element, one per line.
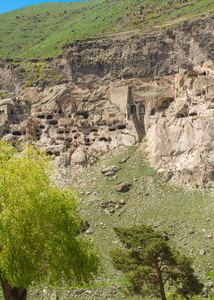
<point x="111" y="91"/>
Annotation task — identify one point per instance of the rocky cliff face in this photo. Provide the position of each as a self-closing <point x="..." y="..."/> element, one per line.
<point x="111" y="91"/>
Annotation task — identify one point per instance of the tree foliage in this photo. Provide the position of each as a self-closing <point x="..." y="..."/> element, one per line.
<point x="39" y="224"/>
<point x="149" y="263"/>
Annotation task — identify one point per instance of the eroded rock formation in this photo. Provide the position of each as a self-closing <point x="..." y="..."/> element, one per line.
<point x="113" y="91"/>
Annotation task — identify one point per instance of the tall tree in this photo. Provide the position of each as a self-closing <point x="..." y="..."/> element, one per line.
<point x="39" y="225"/>
<point x="149" y="263"/>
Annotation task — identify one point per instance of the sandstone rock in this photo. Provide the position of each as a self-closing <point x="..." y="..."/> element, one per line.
<point x="118" y="206"/>
<point x="80" y="291"/>
<point x="89" y="193"/>
<point x="166" y="174"/>
<point x="123" y="188"/>
<point x="111" y="171"/>
<point x="9" y="138"/>
<point x="205" y="292"/>
<point x="122" y="161"/>
<point x="208" y="285"/>
<point x="88" y="292"/>
<point x="63" y="160"/>
<point x="105" y="204"/>
<point x="79" y="157"/>
<point x="203" y="251"/>
<point x="122" y="202"/>
<point x="89" y="232"/>
<point x="54" y="296"/>
<point x="121" y="212"/>
<point x="209" y="236"/>
<point x="171" y="99"/>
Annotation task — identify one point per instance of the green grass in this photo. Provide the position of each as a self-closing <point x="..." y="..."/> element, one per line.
<point x="151" y="200"/>
<point x="41" y="30"/>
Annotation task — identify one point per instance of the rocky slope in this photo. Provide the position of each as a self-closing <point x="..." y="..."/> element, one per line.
<point x="102" y="93"/>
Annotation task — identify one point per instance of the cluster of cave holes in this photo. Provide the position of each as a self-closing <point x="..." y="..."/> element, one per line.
<point x="105" y="139"/>
<point x="83" y="130"/>
<point x="87" y="140"/>
<point x="86" y="132"/>
<point x="49" y="117"/>
<point x="120" y="127"/>
<point x="191" y="114"/>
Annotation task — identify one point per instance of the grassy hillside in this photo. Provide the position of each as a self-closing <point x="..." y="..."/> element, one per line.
<point x="41" y="30"/>
<point x="185" y="216"/>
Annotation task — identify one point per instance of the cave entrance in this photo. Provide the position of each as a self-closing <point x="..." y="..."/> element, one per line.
<point x="83" y="113"/>
<point x="133" y="109"/>
<point x="141" y="109"/>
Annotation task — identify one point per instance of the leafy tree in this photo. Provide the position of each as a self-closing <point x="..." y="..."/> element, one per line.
<point x="149" y="263"/>
<point x="39" y="226"/>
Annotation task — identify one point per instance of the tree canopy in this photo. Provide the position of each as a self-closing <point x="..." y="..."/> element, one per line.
<point x="39" y="224"/>
<point x="149" y="263"/>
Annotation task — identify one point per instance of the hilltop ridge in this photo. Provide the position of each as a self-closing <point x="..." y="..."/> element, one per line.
<point x="44" y="29"/>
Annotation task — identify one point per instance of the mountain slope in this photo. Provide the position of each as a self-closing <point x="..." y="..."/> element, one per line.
<point x="41" y="30"/>
<point x="184" y="216"/>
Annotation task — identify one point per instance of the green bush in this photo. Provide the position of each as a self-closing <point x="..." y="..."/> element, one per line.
<point x="28" y="83"/>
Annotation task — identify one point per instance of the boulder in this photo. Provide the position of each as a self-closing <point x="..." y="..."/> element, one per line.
<point x="54" y="296"/>
<point x="79" y="157"/>
<point x="63" y="160"/>
<point x="123" y="187"/>
<point x="208" y="285"/>
<point x="203" y="251"/>
<point x="110" y="171"/>
<point x="122" y="161"/>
